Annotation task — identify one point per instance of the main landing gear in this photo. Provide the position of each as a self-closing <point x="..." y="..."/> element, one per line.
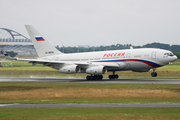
<point x="113" y="76"/>
<point x="95" y="77"/>
<point x="154" y="74"/>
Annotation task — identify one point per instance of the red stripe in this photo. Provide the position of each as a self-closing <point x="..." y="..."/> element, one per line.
<point x="40" y="40"/>
<point x="136" y="61"/>
<point x="6" y="55"/>
<point x="145" y="63"/>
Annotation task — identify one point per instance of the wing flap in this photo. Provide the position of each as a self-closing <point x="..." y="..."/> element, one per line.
<point x="40" y="61"/>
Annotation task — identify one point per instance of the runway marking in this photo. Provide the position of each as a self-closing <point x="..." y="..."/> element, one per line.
<point x="14" y="80"/>
<point x="4" y="105"/>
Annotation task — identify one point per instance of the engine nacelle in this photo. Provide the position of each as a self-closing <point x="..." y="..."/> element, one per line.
<point x="96" y="70"/>
<point x="141" y="70"/>
<point x="69" y="69"/>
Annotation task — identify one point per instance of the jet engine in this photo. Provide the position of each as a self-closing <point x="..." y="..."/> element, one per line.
<point x="96" y="70"/>
<point x="69" y="69"/>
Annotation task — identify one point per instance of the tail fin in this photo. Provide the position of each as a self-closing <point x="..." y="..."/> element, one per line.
<point x="7" y="55"/>
<point x="42" y="46"/>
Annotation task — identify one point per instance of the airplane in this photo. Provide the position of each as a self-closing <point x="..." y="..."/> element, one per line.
<point x="97" y="63"/>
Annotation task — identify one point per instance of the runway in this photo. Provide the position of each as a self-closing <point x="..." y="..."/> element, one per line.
<point x="85" y="105"/>
<point x="82" y="80"/>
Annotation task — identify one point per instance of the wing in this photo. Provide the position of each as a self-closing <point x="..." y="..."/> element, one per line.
<point x="81" y="64"/>
<point x="47" y="62"/>
<point x="44" y="62"/>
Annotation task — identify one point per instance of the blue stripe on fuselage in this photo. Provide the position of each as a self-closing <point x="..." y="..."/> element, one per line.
<point x="136" y="60"/>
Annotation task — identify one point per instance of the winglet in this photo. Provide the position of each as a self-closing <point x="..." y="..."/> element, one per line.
<point x="7" y="55"/>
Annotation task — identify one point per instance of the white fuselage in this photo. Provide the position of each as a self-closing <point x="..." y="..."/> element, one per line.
<point x="98" y="63"/>
<point x="139" y="60"/>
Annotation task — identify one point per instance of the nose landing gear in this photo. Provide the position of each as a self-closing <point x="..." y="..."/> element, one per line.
<point x="154" y="74"/>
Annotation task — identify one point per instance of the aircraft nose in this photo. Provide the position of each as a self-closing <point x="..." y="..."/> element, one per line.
<point x="175" y="58"/>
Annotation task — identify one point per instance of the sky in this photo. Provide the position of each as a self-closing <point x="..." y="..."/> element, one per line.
<point x="95" y="22"/>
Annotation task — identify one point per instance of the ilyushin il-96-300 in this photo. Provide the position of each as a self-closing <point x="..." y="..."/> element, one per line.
<point x="97" y="63"/>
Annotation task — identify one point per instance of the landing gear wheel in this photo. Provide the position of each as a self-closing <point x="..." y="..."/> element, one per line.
<point x="87" y="78"/>
<point x="110" y="77"/>
<point x="154" y="74"/>
<point x="95" y="77"/>
<point x="113" y="77"/>
<point x="100" y="77"/>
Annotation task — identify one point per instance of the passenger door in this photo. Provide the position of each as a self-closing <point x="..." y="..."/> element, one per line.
<point x="128" y="56"/>
<point x="153" y="55"/>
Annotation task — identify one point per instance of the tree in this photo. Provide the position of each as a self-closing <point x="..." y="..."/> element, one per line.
<point x="175" y="48"/>
<point x="177" y="54"/>
<point x="157" y="45"/>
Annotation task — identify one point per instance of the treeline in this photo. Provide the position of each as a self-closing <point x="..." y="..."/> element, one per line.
<point x="177" y="54"/>
<point x="91" y="49"/>
<point x="174" y="48"/>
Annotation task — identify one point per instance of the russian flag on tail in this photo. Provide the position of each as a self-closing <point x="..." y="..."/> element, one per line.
<point x="39" y="39"/>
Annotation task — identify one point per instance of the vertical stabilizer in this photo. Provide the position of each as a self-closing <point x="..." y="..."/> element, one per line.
<point x="42" y="46"/>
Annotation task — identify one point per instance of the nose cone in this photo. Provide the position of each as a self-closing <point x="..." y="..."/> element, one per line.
<point x="174" y="58"/>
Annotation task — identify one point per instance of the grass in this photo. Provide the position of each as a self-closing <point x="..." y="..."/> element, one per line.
<point x="88" y="93"/>
<point x="83" y="113"/>
<point x="23" y="69"/>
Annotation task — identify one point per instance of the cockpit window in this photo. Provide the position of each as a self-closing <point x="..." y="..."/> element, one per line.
<point x="169" y="54"/>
